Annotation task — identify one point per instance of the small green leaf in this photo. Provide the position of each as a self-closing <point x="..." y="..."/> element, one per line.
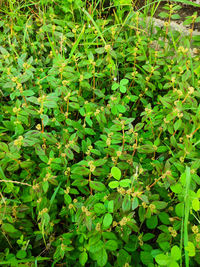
<point x="196" y="204"/>
<point x="107" y="220"/>
<point x="113" y="184"/>
<point x="122" y="89"/>
<point x="21" y="254"/>
<point x="8" y="228"/>
<point x="98" y="186"/>
<point x="124" y="82"/>
<point x="99" y="208"/>
<point x="115" y="86"/>
<point x="125" y="183"/>
<point x="83" y="257"/>
<point x="163" y="15"/>
<point x="152" y="222"/>
<point x="126" y="204"/>
<point x="135" y="203"/>
<point x="116" y="173"/>
<point x="191" y="249"/>
<point x="162" y="259"/>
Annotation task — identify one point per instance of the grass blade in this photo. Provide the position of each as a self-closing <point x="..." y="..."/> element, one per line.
<point x="54" y="195"/>
<point x="95" y="25"/>
<point x="77" y="42"/>
<point x="186" y="214"/>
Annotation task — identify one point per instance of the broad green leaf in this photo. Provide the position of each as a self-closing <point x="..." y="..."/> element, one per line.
<point x="102" y="257"/>
<point x="111" y="245"/>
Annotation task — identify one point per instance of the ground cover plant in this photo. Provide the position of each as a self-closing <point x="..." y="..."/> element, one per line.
<point x="99" y="129"/>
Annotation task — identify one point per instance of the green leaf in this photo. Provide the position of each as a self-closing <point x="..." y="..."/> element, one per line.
<point x="176" y="253"/>
<point x="107" y="220"/>
<point x="125" y="183"/>
<point x="116" y="173"/>
<point x="4" y="147"/>
<point x="8" y="228"/>
<point x="121" y="108"/>
<point x="81" y="170"/>
<point x="115" y="86"/>
<point x="177" y="124"/>
<point x="164" y="218"/>
<point x="98" y="186"/>
<point x="152" y="222"/>
<point x="176" y="188"/>
<point x="174" y="264"/>
<point x="196" y="204"/>
<point x="162" y="259"/>
<point x="126" y="204"/>
<point x="175" y="16"/>
<point x="146" y="149"/>
<point x="122" y="89"/>
<point x="179" y="209"/>
<point x="160" y="205"/>
<point x="146" y="257"/>
<point x="123" y="257"/>
<point x="102" y="257"/>
<point x="124" y="82"/>
<point x="45" y="119"/>
<point x="99" y="208"/>
<point x="83" y="257"/>
<point x="111" y="206"/>
<point x="113" y="184"/>
<point x="163" y="15"/>
<point x="147" y="237"/>
<point x="135" y="203"/>
<point x="111" y="245"/>
<point x="191" y="249"/>
<point x="96" y="246"/>
<point x="21" y="254"/>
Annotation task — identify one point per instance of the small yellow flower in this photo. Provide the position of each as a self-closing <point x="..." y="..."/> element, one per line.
<point x="190" y="90"/>
<point x="98" y="227"/>
<point x="152" y="207"/>
<point x="114" y="224"/>
<point x="83" y="208"/>
<point x="71" y="206"/>
<point x="195" y="229"/>
<point x="38" y="127"/>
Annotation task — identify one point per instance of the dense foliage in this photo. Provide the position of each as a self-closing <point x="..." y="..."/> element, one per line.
<point x="99" y="128"/>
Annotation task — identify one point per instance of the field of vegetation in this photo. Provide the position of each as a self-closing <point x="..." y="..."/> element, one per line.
<point x="99" y="135"/>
